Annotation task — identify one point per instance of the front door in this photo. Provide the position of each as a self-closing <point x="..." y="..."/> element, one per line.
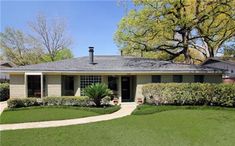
<point x="34" y="85"/>
<point x="126" y="96"/>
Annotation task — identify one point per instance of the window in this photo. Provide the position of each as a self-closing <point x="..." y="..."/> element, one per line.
<point x="67" y="85"/>
<point x="156" y="79"/>
<point x="88" y="80"/>
<point x="177" y="78"/>
<point x="199" y="78"/>
<point x="34" y="85"/>
<point x="112" y="83"/>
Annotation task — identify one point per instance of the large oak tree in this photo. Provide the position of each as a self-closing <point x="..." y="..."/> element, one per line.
<point x="178" y="27"/>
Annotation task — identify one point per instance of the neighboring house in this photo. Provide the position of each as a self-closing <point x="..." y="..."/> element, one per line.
<point x="226" y="65"/>
<point x="4" y="77"/>
<point x="124" y="75"/>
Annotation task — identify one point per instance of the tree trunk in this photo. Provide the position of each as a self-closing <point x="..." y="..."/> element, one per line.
<point x="211" y="52"/>
<point x="187" y="57"/>
<point x="185" y="36"/>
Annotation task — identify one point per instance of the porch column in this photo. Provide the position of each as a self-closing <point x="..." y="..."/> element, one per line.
<point x="25" y="85"/>
<point x="41" y="85"/>
<point x="120" y="88"/>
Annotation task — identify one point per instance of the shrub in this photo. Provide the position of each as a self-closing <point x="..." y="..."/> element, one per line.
<point x="97" y="92"/>
<point x="22" y="102"/>
<point x="190" y="94"/>
<point x="106" y="100"/>
<point x="224" y="95"/>
<point x="67" y="100"/>
<point x="4" y="91"/>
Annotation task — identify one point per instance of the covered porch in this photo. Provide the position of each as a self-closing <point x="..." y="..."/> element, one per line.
<point x="42" y="85"/>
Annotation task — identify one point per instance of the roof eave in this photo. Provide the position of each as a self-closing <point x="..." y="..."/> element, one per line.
<point x="122" y="71"/>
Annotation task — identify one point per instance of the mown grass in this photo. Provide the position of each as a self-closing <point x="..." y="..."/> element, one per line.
<point x="32" y="114"/>
<point x="151" y="109"/>
<point x="179" y="127"/>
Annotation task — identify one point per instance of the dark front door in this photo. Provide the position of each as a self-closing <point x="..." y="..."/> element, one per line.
<point x="34" y="85"/>
<point x="126" y="89"/>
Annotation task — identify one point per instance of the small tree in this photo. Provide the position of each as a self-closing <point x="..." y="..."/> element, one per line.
<point x="97" y="92"/>
<point x="51" y="35"/>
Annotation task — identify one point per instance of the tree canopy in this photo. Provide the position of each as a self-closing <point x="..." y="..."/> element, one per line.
<point x="193" y="28"/>
<point x="48" y="41"/>
<point x="18" y="48"/>
<point x="51" y="35"/>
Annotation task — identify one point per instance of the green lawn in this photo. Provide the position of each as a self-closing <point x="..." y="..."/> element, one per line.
<point x="149" y="109"/>
<point x="182" y="127"/>
<point x="51" y="113"/>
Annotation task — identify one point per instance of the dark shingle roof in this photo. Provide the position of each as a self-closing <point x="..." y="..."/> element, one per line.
<point x="227" y="61"/>
<point x="113" y="64"/>
<point x="6" y="64"/>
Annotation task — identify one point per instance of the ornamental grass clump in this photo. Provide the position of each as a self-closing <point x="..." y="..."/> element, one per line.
<point x="97" y="91"/>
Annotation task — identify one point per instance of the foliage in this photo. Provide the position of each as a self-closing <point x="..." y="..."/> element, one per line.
<point x="97" y="92"/>
<point x="37" y="113"/>
<point x="4" y="91"/>
<point x="18" y="48"/>
<point x="67" y="101"/>
<point x="81" y="101"/>
<point x="51" y="35"/>
<point x="190" y="94"/>
<point x="60" y="55"/>
<point x="215" y="26"/>
<point x="175" y="27"/>
<point x="48" y="41"/>
<point x="229" y="48"/>
<point x="51" y="101"/>
<point x="22" y="102"/>
<point x="106" y="100"/>
<point x="229" y="52"/>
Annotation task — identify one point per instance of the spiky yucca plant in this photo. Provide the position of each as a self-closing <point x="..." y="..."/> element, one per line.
<point x="97" y="92"/>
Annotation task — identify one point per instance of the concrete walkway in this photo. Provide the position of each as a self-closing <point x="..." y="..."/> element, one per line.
<point x="3" y="105"/>
<point x="126" y="109"/>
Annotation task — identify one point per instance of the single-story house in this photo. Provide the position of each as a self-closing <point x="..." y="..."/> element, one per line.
<point x="227" y="65"/>
<point x="125" y="75"/>
<point x="4" y="77"/>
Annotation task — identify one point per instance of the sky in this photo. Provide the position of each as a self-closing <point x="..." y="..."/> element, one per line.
<point x="89" y="23"/>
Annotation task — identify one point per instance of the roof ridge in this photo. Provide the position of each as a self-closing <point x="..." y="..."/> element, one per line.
<point x="218" y="59"/>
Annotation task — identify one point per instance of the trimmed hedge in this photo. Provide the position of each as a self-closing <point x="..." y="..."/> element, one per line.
<point x="22" y="102"/>
<point x="190" y="94"/>
<point x="82" y="101"/>
<point x="71" y="101"/>
<point x="4" y="91"/>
